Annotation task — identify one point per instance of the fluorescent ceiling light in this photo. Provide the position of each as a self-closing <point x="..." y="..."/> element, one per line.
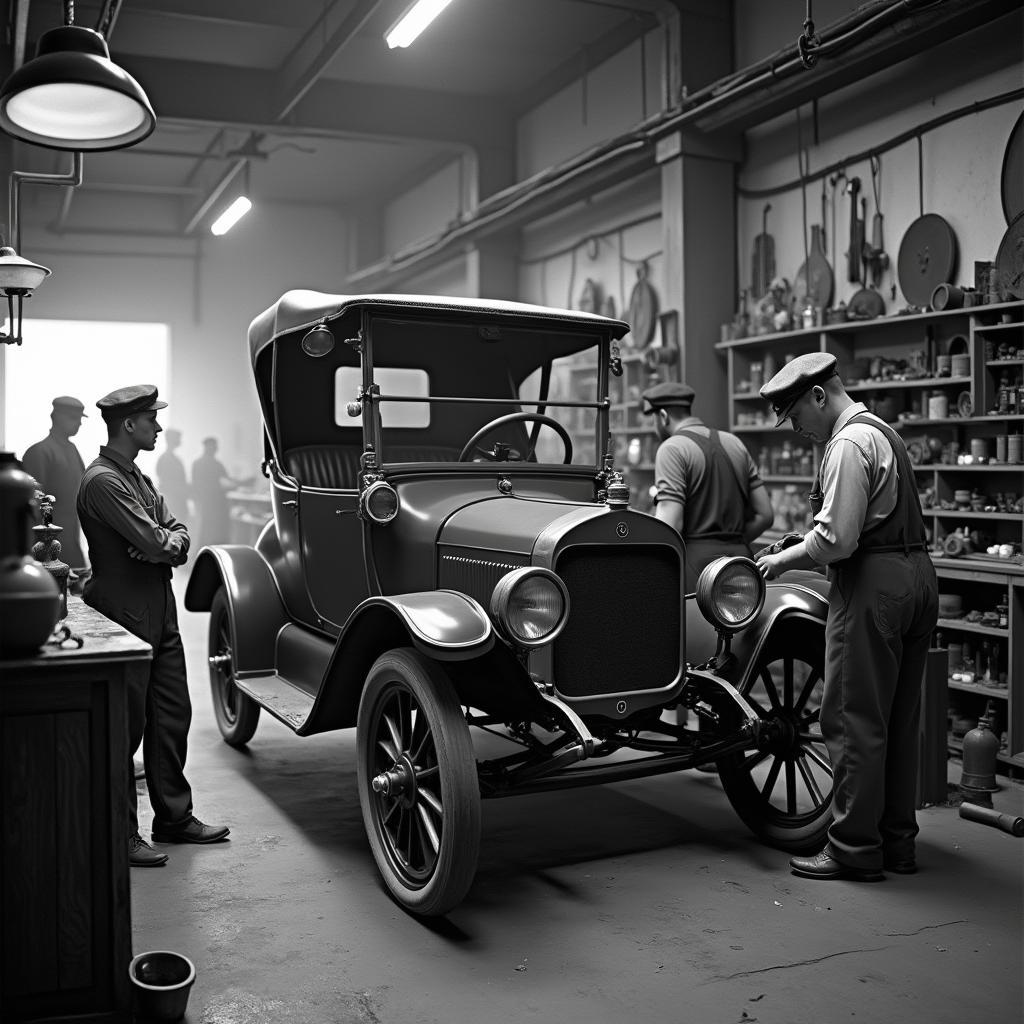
<point x="231" y="216"/>
<point x="414" y="21"/>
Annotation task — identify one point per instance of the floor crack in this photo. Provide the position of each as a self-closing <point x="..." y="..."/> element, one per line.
<point x="924" y="928"/>
<point x="798" y="963"/>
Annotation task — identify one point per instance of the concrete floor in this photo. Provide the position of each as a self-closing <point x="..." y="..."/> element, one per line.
<point x="639" y="901"/>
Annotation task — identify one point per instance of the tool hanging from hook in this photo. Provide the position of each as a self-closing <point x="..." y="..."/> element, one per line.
<point x="853" y="254"/>
<point x="875" y="256"/>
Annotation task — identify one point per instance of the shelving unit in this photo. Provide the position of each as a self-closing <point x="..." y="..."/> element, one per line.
<point x="865" y="352"/>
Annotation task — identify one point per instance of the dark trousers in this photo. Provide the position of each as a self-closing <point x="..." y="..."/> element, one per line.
<point x="159" y="708"/>
<point x="882" y="610"/>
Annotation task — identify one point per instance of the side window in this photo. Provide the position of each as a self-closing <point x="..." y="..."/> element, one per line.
<point x="392" y="380"/>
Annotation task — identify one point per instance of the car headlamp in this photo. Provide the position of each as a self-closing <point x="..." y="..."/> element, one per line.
<point x="379" y="502"/>
<point x="730" y="593"/>
<point x="530" y="606"/>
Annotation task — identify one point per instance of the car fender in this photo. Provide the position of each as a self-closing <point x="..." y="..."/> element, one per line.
<point x="444" y="625"/>
<point x="249" y="584"/>
<point x="801" y="593"/>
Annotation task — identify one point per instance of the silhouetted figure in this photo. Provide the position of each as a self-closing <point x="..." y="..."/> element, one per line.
<point x="58" y="468"/>
<point x="210" y="484"/>
<point x="171" y="478"/>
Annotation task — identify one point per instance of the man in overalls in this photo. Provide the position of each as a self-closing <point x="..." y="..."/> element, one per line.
<point x="134" y="541"/>
<point x="707" y="485"/>
<point x="868" y="530"/>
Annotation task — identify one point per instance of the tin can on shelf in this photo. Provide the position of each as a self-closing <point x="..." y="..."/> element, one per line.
<point x="979" y="448"/>
<point x="938" y="406"/>
<point x="1001" y="447"/>
<point x="1015" y="449"/>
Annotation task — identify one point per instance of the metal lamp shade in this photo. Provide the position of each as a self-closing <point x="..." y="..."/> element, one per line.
<point x="73" y="96"/>
<point x="18" y="274"/>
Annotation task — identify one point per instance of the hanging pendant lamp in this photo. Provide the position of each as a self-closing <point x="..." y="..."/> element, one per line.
<point x="73" y="96"/>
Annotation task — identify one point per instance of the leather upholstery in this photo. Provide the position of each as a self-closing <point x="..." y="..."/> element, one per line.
<point x="336" y="467"/>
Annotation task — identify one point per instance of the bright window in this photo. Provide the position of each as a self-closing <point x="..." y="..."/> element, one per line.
<point x="82" y="358"/>
<point x="391" y="380"/>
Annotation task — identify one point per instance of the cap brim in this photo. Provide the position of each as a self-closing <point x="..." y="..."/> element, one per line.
<point x="783" y="414"/>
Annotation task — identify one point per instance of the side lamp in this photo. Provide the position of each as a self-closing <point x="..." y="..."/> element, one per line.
<point x="18" y="278"/>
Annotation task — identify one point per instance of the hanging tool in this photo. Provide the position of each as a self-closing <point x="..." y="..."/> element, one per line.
<point x="853" y="254"/>
<point x="874" y="253"/>
<point x="763" y="269"/>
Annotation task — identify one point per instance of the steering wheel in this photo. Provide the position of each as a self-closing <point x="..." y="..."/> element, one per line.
<point x="517" y="417"/>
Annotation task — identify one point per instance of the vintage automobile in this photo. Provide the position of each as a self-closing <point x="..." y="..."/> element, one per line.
<point x="453" y="569"/>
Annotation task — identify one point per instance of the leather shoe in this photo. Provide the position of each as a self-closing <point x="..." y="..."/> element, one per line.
<point x="823" y="865"/>
<point x="192" y="831"/>
<point x="142" y="855"/>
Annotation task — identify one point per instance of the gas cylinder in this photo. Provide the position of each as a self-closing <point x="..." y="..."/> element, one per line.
<point x="980" y="747"/>
<point x="29" y="597"/>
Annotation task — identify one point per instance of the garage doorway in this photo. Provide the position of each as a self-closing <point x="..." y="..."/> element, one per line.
<point x="83" y="358"/>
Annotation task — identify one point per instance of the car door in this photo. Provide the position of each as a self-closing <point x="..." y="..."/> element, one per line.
<point x="332" y="552"/>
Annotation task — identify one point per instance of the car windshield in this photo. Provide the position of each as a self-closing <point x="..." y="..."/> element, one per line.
<point x="443" y="383"/>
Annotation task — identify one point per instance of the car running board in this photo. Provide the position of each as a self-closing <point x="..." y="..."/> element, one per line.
<point x="283" y="700"/>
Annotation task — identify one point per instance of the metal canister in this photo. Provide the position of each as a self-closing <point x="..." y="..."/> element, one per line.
<point x="1015" y="449"/>
<point x="1001" y="447"/>
<point x="938" y="406"/>
<point x="979" y="448"/>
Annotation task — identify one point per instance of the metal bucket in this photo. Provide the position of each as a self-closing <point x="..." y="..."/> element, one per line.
<point x="161" y="982"/>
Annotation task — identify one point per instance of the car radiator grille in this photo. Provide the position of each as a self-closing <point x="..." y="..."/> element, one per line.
<point x="623" y="632"/>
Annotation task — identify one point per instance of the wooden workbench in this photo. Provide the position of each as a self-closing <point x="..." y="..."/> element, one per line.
<point x="65" y="915"/>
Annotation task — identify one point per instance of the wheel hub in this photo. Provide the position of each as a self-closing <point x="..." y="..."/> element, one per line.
<point x="398" y="782"/>
<point x="782" y="735"/>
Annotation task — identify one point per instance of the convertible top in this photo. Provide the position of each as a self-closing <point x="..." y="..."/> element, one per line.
<point x="300" y="308"/>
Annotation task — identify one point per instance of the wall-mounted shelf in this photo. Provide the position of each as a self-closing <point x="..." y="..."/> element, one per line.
<point x="984" y="581"/>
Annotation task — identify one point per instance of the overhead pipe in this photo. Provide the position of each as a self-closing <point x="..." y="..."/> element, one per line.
<point x="73" y="179"/>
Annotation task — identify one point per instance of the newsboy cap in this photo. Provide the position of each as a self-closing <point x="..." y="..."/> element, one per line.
<point x="130" y="400"/>
<point x="666" y="395"/>
<point x="795" y="379"/>
<point x="65" y="403"/>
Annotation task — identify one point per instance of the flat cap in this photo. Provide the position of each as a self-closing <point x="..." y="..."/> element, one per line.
<point x="130" y="400"/>
<point x="665" y="395"/>
<point x="795" y="379"/>
<point x="65" y="403"/>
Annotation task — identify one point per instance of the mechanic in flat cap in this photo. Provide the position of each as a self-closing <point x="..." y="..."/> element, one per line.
<point x="134" y="541"/>
<point x="869" y="532"/>
<point x="707" y="485"/>
<point x="57" y="467"/>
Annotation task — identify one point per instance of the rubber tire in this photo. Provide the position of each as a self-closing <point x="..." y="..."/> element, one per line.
<point x="800" y="833"/>
<point x="237" y="724"/>
<point x="459" y="841"/>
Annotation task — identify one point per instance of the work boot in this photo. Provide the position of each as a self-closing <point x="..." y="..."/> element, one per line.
<point x="142" y="855"/>
<point x="823" y="865"/>
<point x="192" y="830"/>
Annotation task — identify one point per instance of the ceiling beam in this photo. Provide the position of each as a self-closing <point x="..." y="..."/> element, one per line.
<point x="233" y="13"/>
<point x="310" y="58"/>
<point x="197" y="92"/>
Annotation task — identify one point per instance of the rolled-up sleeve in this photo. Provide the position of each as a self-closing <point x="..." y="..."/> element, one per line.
<point x="108" y="498"/>
<point x="846" y="489"/>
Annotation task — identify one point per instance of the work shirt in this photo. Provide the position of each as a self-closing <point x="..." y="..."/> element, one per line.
<point x="859" y="485"/>
<point x="57" y="468"/>
<point x="120" y="508"/>
<point x="680" y="470"/>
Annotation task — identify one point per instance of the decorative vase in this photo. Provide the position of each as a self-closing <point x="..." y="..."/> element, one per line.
<point x="29" y="596"/>
<point x="46" y="551"/>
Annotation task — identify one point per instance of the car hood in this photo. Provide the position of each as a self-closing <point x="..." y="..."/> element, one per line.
<point x="512" y="524"/>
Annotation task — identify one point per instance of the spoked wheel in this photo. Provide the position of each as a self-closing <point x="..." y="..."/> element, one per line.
<point x="783" y="792"/>
<point x="237" y="715"/>
<point x="418" y="783"/>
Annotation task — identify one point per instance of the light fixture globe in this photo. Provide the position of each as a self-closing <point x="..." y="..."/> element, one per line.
<point x="17" y="274"/>
<point x="73" y="96"/>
